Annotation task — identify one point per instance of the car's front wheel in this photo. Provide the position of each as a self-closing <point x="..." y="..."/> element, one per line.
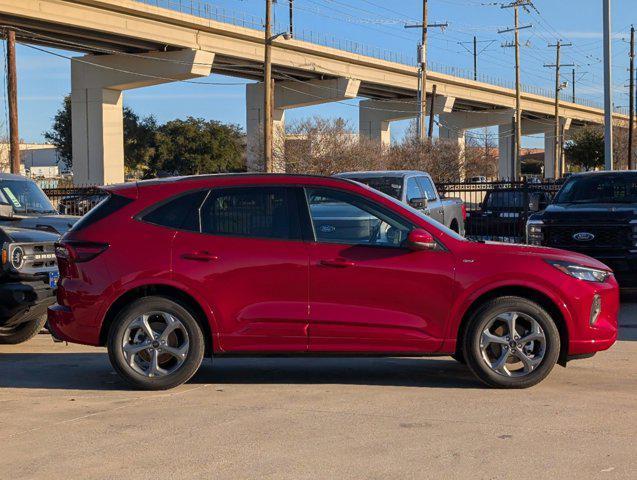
<point x="511" y="342"/>
<point x="155" y="344"/>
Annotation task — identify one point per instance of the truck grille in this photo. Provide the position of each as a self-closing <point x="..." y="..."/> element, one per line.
<point x="605" y="237"/>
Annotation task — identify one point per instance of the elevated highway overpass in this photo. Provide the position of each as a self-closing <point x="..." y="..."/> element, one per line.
<point x="132" y="44"/>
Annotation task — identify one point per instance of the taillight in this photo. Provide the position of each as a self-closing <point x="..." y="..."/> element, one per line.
<point x="78" y="252"/>
<point x="463" y="208"/>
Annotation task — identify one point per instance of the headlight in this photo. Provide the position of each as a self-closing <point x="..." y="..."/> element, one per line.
<point x="534" y="235"/>
<point x="17" y="258"/>
<point x="581" y="272"/>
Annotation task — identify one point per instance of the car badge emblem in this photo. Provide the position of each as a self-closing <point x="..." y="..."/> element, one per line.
<point x="583" y="237"/>
<point x="327" y="228"/>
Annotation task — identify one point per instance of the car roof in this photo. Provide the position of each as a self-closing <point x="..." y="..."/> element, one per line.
<point x="603" y="173"/>
<point x="381" y="173"/>
<point x="12" y="176"/>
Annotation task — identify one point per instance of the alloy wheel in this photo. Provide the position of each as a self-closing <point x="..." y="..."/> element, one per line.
<point x="513" y="344"/>
<point x="155" y="344"/>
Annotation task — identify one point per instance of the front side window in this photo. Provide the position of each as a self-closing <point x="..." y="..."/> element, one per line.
<point x="258" y="212"/>
<point x="339" y="217"/>
<point x="413" y="190"/>
<point x="428" y="188"/>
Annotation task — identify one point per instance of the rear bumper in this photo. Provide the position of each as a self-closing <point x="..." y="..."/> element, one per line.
<point x="63" y="326"/>
<point x="20" y="302"/>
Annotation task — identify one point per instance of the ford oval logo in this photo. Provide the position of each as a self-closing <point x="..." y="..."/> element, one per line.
<point x="583" y="237"/>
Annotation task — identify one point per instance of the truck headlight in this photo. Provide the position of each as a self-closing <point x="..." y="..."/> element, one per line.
<point x="534" y="235"/>
<point x="581" y="272"/>
<point x="17" y="258"/>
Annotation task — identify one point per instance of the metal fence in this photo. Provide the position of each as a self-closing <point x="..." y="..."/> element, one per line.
<point x="74" y="200"/>
<point x="499" y="210"/>
<point x="496" y="210"/>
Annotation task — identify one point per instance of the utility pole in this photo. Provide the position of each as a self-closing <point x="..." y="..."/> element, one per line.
<point x="475" y="52"/>
<point x="516" y="165"/>
<point x="608" y="89"/>
<point x="557" y="152"/>
<point x="291" y="18"/>
<point x="631" y="124"/>
<point x="422" y="59"/>
<point x="430" y="133"/>
<point x="267" y="90"/>
<point x="12" y="93"/>
<point x="573" y="79"/>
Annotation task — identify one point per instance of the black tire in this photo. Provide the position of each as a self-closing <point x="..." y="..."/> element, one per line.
<point x="23" y="332"/>
<point x="480" y="320"/>
<point x="193" y="357"/>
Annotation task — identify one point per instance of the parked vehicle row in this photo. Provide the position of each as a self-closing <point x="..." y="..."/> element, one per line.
<point x="29" y="228"/>
<point x="166" y="272"/>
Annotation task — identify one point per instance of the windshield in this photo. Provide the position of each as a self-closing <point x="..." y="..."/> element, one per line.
<point x="392" y="186"/>
<point x="599" y="189"/>
<point x="507" y="199"/>
<point x="24" y="196"/>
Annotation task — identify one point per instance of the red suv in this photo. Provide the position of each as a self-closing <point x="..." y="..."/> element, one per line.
<point x="166" y="272"/>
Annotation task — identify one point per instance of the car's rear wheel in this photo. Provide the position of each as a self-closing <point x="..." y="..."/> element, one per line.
<point x="155" y="344"/>
<point x="22" y="332"/>
<point x="511" y="342"/>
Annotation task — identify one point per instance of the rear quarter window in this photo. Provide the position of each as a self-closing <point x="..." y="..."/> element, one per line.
<point x="108" y="206"/>
<point x="181" y="212"/>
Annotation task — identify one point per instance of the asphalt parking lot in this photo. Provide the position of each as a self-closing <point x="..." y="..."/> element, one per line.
<point x="65" y="414"/>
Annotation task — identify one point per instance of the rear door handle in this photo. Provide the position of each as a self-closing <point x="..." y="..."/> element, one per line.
<point x="200" y="256"/>
<point x="337" y="263"/>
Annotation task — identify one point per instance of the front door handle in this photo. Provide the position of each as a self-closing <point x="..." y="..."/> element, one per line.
<point x="200" y="256"/>
<point x="337" y="263"/>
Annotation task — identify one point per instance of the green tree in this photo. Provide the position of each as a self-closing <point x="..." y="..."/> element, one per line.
<point x="60" y="133"/>
<point x="195" y="146"/>
<point x="138" y="137"/>
<point x="586" y="149"/>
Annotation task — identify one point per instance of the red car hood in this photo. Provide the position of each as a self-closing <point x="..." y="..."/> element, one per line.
<point x="543" y="252"/>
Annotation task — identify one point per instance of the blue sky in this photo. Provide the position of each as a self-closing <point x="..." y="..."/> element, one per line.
<point x="44" y="79"/>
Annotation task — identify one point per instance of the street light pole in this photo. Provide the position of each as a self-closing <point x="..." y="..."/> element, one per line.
<point x="267" y="90"/>
<point x="608" y="88"/>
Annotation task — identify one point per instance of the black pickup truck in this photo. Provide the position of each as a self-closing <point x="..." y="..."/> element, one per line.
<point x="595" y="214"/>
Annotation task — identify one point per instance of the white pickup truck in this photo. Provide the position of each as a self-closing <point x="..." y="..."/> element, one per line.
<point x="418" y="190"/>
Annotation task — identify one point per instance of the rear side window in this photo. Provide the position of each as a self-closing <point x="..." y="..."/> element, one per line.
<point x="105" y="208"/>
<point x="181" y="212"/>
<point x="258" y="212"/>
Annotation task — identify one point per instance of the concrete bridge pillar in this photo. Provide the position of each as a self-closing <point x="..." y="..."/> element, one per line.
<point x="549" y="149"/>
<point x="287" y="94"/>
<point x="454" y="125"/>
<point x="375" y="116"/>
<point x="97" y="83"/>
<point x="529" y="127"/>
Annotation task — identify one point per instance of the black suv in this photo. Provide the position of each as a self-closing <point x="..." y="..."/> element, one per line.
<point x="595" y="214"/>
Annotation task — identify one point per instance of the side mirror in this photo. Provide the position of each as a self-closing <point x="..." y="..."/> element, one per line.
<point x="419" y="203"/>
<point x="419" y="239"/>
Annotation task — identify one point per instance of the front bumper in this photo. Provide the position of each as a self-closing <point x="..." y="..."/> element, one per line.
<point x="21" y="302"/>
